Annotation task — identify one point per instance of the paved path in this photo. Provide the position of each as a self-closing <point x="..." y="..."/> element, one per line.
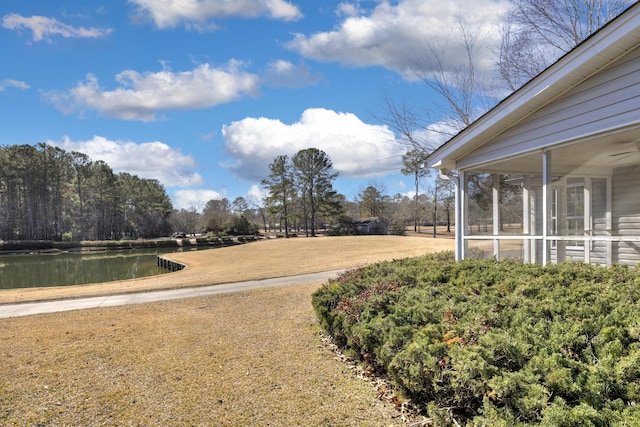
<point x="30" y="308"/>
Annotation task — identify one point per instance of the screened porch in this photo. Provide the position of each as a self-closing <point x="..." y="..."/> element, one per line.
<point x="578" y="202"/>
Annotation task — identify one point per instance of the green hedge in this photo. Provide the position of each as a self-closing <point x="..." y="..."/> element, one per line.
<point x="128" y="244"/>
<point x="43" y="245"/>
<point x="496" y="343"/>
<point x="26" y="245"/>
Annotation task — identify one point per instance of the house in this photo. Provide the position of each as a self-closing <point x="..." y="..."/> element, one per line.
<point x="372" y="225"/>
<point x="552" y="173"/>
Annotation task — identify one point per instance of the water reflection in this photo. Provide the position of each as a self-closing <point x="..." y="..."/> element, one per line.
<point x="43" y="270"/>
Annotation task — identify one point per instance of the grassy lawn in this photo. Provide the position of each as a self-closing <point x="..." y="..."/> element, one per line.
<point x="250" y="358"/>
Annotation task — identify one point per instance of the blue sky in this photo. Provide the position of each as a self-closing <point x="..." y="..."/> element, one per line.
<point x="203" y="94"/>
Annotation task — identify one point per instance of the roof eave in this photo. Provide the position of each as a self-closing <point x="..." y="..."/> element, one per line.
<point x="596" y="52"/>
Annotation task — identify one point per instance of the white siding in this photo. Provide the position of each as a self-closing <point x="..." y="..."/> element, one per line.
<point x="609" y="99"/>
<point x="626" y="213"/>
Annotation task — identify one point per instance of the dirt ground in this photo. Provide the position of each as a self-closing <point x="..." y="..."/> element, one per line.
<point x="249" y="358"/>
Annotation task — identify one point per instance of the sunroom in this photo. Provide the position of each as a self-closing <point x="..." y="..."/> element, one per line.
<point x="552" y="173"/>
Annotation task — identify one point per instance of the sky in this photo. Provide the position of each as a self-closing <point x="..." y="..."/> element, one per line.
<point x="202" y="95"/>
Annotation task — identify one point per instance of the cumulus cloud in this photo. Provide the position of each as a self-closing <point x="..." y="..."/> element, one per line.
<point x="140" y="96"/>
<point x="10" y="83"/>
<point x="256" y="194"/>
<point x="194" y="198"/>
<point x="285" y="73"/>
<point x="151" y="160"/>
<point x="391" y="35"/>
<point x="198" y="14"/>
<point x="357" y="149"/>
<point x="44" y="28"/>
<point x="348" y="9"/>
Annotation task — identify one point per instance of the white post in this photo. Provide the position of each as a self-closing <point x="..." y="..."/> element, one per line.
<point x="496" y="214"/>
<point x="460" y="217"/>
<point x="546" y="191"/>
<point x="609" y="220"/>
<point x="588" y="219"/>
<point x="526" y="218"/>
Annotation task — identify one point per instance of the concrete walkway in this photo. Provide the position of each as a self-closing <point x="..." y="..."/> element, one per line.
<point x="31" y="308"/>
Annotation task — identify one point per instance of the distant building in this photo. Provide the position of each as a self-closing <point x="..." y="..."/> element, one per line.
<point x="373" y="225"/>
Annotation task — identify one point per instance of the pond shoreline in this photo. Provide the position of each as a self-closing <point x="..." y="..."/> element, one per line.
<point x="267" y="258"/>
<point x="18" y="247"/>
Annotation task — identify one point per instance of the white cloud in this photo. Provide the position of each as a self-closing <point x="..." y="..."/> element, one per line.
<point x="256" y="194"/>
<point x="285" y="73"/>
<point x="44" y="28"/>
<point x="197" y="14"/>
<point x="392" y="35"/>
<point x="141" y="96"/>
<point x="348" y="9"/>
<point x="10" y="83"/>
<point x="357" y="149"/>
<point x="151" y="160"/>
<point x="194" y="198"/>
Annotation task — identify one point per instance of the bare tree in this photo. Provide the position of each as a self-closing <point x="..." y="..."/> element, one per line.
<point x="185" y="220"/>
<point x="216" y="213"/>
<point x="456" y="77"/>
<point x="441" y="194"/>
<point x="261" y="211"/>
<point x="410" y="125"/>
<point x="538" y="32"/>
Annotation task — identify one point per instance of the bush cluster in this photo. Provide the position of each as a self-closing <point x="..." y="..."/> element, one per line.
<point x="43" y="245"/>
<point x="496" y="343"/>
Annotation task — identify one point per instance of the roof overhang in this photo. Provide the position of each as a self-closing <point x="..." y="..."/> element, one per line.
<point x="598" y="51"/>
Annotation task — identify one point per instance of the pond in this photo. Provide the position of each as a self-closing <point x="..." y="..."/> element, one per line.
<point x="63" y="269"/>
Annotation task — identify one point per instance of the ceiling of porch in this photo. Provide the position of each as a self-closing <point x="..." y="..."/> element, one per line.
<point x="595" y="156"/>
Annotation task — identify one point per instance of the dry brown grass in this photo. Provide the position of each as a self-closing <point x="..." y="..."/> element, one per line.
<point x="253" y="261"/>
<point x="250" y="358"/>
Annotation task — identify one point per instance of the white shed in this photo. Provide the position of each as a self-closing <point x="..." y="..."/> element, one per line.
<point x="552" y="173"/>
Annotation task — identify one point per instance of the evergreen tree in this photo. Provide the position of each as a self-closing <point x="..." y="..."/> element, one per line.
<point x="413" y="164"/>
<point x="372" y="202"/>
<point x="314" y="175"/>
<point x="280" y="184"/>
<point x="47" y="193"/>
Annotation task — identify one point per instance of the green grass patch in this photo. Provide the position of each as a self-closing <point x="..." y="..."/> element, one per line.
<point x="496" y="343"/>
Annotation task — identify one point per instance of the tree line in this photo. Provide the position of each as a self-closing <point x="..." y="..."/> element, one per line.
<point x="47" y="193"/>
<point x="300" y="199"/>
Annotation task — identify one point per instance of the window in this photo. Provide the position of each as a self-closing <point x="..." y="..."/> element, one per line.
<point x="566" y="216"/>
<point x="575" y="213"/>
<point x="553" y="217"/>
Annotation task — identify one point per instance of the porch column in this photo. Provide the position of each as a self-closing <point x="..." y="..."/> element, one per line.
<point x="588" y="219"/>
<point x="526" y="218"/>
<point x="546" y="192"/>
<point x="609" y="220"/>
<point x="460" y="215"/>
<point x="496" y="214"/>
